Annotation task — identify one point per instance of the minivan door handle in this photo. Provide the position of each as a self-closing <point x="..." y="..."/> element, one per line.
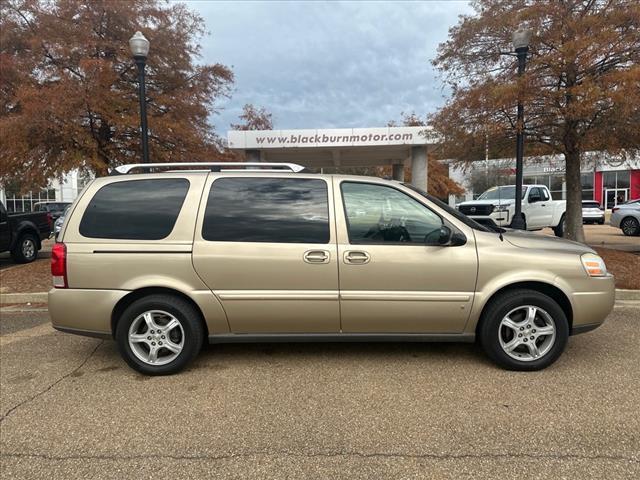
<point x="316" y="256"/>
<point x="356" y="257"/>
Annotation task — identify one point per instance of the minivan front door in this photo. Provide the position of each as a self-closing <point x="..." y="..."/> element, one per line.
<point x="266" y="246"/>
<point x="392" y="280"/>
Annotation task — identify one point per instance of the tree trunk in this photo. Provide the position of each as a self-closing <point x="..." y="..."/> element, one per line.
<point x="573" y="216"/>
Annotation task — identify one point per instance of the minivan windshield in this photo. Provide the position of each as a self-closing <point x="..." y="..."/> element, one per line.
<point x="451" y="211"/>
<point x="507" y="192"/>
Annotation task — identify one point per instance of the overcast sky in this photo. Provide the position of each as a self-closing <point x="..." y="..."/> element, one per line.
<point x="328" y="64"/>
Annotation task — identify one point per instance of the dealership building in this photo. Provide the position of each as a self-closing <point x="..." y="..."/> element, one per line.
<point x="607" y="179"/>
<point x="395" y="147"/>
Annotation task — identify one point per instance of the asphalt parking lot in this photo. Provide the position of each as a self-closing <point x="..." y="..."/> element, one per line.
<point x="71" y="408"/>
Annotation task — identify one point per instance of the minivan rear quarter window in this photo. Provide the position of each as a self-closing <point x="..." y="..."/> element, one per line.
<point x="274" y="210"/>
<point x="135" y="209"/>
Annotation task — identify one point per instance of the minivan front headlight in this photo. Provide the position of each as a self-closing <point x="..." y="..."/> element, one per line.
<point x="593" y="265"/>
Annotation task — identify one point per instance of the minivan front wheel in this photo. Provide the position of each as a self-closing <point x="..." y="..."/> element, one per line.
<point x="159" y="334"/>
<point x="524" y="330"/>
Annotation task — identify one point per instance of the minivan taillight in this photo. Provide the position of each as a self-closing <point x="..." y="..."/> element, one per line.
<point x="614" y="209"/>
<point x="59" y="265"/>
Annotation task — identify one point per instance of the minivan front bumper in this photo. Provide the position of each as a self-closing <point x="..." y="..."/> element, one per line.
<point x="592" y="301"/>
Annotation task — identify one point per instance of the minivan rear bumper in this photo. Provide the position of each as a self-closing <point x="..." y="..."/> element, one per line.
<point x="83" y="311"/>
<point x="592" y="300"/>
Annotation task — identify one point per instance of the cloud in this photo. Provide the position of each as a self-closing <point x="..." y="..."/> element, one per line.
<point x="327" y="64"/>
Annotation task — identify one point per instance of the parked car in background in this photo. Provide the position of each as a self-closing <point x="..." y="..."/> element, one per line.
<point x="592" y="212"/>
<point x="54" y="208"/>
<point x="163" y="261"/>
<point x="626" y="217"/>
<point x="497" y="206"/>
<point x="22" y="233"/>
<point x="57" y="226"/>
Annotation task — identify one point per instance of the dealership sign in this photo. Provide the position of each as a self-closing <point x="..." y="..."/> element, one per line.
<point x="337" y="137"/>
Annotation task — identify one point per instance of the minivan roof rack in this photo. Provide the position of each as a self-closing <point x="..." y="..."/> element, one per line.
<point x="211" y="166"/>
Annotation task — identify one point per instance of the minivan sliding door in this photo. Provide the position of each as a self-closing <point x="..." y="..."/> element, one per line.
<point x="266" y="246"/>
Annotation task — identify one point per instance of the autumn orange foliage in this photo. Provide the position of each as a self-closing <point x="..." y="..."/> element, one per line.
<point x="581" y="90"/>
<point x="68" y="86"/>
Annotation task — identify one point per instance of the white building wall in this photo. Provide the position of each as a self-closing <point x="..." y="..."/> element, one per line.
<point x="66" y="190"/>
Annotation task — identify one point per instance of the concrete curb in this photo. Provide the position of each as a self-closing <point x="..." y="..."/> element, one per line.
<point x="627" y="294"/>
<point x="38" y="297"/>
<point x="41" y="297"/>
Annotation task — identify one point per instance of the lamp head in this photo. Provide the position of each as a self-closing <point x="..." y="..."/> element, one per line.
<point x="139" y="45"/>
<point x="521" y="38"/>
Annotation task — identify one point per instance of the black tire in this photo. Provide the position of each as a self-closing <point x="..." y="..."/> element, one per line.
<point x="630" y="226"/>
<point x="183" y="311"/>
<point x="601" y="222"/>
<point x="26" y="248"/>
<point x="499" y="307"/>
<point x="559" y="229"/>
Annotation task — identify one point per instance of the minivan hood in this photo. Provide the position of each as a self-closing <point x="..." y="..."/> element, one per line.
<point x="544" y="242"/>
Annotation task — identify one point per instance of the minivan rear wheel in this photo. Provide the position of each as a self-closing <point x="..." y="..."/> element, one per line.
<point x="159" y="334"/>
<point x="523" y="330"/>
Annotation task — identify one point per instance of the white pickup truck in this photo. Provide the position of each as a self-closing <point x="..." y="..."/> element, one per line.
<point x="498" y="205"/>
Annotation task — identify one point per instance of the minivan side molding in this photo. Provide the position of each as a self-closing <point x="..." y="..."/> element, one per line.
<point x="387" y="295"/>
<point x="143" y="251"/>
<point x="340" y="337"/>
<point x="381" y="295"/>
<point x="277" y="294"/>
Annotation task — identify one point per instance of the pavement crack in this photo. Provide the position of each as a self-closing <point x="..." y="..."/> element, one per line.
<point x="45" y="390"/>
<point x="327" y="454"/>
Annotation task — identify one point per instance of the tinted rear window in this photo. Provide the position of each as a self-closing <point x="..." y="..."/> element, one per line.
<point x="135" y="209"/>
<point x="277" y="210"/>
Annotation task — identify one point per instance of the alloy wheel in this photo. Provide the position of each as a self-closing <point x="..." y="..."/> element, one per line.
<point x="156" y="337"/>
<point x="527" y="333"/>
<point x="629" y="226"/>
<point x="28" y="248"/>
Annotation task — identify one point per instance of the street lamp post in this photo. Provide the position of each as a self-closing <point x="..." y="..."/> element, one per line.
<point x="139" y="46"/>
<point x="521" y="39"/>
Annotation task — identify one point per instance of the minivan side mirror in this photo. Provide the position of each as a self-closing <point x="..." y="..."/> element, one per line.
<point x="445" y="237"/>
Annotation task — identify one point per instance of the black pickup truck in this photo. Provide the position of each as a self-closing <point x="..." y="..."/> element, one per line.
<point x="22" y="233"/>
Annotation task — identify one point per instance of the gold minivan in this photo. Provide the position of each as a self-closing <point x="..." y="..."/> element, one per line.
<point x="240" y="252"/>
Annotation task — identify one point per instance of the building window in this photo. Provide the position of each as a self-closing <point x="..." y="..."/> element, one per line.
<point x="615" y="187"/>
<point x="586" y="179"/>
<point x="609" y="179"/>
<point x="555" y="185"/>
<point x="17" y="203"/>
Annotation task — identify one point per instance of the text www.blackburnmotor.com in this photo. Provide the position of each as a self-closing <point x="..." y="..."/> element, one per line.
<point x="332" y="139"/>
